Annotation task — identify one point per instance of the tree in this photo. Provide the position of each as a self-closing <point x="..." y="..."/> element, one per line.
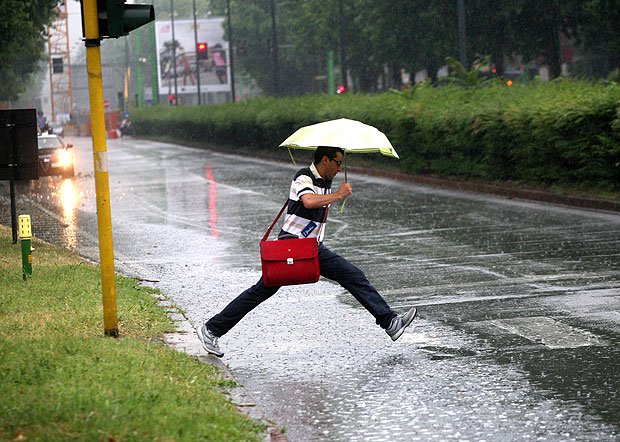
<point x="599" y="37"/>
<point x="318" y="31"/>
<point x="536" y="27"/>
<point x="297" y="64"/>
<point x="382" y="37"/>
<point x="490" y="31"/>
<point x="22" y="42"/>
<point x="185" y="8"/>
<point x="410" y="34"/>
<point x="413" y="34"/>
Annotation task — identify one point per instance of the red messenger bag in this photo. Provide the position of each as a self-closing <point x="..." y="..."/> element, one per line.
<point x="289" y="261"/>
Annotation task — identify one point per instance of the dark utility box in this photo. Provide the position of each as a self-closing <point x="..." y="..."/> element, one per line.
<point x="18" y="144"/>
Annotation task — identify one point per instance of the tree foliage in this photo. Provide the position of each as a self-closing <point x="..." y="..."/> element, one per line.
<point x="184" y="8"/>
<point x="468" y="79"/>
<point x="598" y="31"/>
<point x="383" y="37"/>
<point x="22" y="42"/>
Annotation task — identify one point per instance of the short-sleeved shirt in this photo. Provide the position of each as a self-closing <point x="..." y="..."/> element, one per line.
<point x="300" y="221"/>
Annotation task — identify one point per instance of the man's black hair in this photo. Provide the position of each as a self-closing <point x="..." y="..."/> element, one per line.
<point x="326" y="151"/>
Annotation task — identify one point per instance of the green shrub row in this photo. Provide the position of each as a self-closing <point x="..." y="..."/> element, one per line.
<point x="561" y="132"/>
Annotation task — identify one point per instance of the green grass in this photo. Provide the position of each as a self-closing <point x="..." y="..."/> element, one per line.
<point x="62" y="380"/>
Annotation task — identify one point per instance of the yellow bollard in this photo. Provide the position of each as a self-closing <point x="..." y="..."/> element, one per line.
<point x="25" y="238"/>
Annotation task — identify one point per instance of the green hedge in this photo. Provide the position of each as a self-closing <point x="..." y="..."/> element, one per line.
<point x="561" y="132"/>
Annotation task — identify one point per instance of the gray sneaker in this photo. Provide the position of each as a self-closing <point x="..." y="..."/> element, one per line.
<point x="209" y="341"/>
<point x="400" y="323"/>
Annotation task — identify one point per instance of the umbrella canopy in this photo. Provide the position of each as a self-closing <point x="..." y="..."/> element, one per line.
<point x="350" y="135"/>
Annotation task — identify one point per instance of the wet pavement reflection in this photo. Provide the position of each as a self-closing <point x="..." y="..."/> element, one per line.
<point x="519" y="323"/>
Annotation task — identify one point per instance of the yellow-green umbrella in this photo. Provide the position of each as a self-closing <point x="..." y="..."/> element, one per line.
<point x="350" y="135"/>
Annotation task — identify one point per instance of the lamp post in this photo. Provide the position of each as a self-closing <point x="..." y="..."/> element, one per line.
<point x="343" y="56"/>
<point x="154" y="80"/>
<point x="174" y="53"/>
<point x="230" y="52"/>
<point x="274" y="49"/>
<point x="462" y="34"/>
<point x="139" y="69"/>
<point x="196" y="49"/>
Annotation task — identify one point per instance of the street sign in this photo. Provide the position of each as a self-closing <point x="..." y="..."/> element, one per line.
<point x="106" y="103"/>
<point x="19" y="154"/>
<point x="147" y="94"/>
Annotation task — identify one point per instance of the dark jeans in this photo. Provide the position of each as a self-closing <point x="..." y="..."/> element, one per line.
<point x="334" y="267"/>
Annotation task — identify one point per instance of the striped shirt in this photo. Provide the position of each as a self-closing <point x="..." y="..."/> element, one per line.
<point x="299" y="221"/>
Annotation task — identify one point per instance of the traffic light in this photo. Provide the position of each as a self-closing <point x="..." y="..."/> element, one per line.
<point x="57" y="65"/>
<point x="117" y="18"/>
<point x="202" y="51"/>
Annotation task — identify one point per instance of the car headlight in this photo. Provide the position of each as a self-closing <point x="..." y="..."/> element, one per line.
<point x="65" y="158"/>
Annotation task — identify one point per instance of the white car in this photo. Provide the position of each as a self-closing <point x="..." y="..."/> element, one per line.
<point x="55" y="157"/>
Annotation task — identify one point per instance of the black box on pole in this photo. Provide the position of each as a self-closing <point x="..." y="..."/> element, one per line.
<point x="18" y="144"/>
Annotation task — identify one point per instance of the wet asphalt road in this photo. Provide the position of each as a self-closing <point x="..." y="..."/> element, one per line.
<point x="519" y="303"/>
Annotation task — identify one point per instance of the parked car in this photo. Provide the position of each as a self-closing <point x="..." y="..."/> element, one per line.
<point x="55" y="157"/>
<point x="56" y="129"/>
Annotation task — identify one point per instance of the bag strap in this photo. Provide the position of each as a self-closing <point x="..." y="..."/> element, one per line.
<point x="275" y="221"/>
<point x="280" y="214"/>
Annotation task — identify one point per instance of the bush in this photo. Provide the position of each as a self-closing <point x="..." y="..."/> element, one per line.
<point x="561" y="132"/>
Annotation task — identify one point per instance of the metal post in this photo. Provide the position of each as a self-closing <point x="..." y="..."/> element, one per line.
<point x="100" y="157"/>
<point x="343" y="55"/>
<point x="25" y="237"/>
<point x="230" y="53"/>
<point x="330" y="74"/>
<point x="12" y="166"/>
<point x="154" y="80"/>
<point x="127" y="75"/>
<point x="174" y="54"/>
<point x="196" y="51"/>
<point x="13" y="208"/>
<point x="462" y="34"/>
<point x="140" y="96"/>
<point x="274" y="40"/>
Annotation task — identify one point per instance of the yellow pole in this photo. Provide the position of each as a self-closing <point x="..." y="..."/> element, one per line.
<point x="102" y="188"/>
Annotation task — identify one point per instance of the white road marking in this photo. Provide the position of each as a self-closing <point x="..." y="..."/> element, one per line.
<point x="548" y="332"/>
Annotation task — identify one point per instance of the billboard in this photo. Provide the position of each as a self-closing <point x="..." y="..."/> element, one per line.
<point x="214" y="68"/>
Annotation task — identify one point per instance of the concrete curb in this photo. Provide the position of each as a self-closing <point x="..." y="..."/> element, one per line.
<point x="184" y="339"/>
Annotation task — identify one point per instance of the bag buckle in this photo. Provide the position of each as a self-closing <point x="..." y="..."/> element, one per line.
<point x="289" y="261"/>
